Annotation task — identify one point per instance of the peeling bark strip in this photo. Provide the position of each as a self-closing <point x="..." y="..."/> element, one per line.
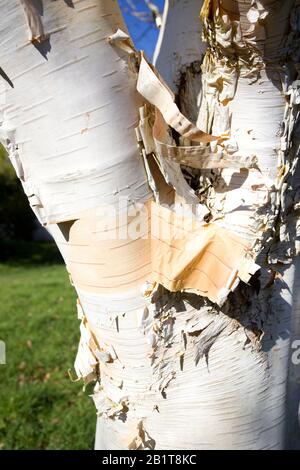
<point x="154" y="90"/>
<point x="155" y="140"/>
<point x="204" y="259"/>
<point x="34" y="22"/>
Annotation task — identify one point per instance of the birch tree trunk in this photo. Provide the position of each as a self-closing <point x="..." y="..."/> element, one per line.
<point x="249" y="85"/>
<point x="191" y="368"/>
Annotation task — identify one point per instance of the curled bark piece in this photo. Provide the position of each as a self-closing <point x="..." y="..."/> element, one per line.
<point x="142" y="440"/>
<point x="204" y="259"/>
<point x="205" y="9"/>
<point x="153" y="88"/>
<point x="201" y="157"/>
<point x="122" y="40"/>
<point x="35" y="24"/>
<point x="155" y="139"/>
<point x="156" y="92"/>
<point x="86" y="360"/>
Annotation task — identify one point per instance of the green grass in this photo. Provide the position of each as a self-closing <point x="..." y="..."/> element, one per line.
<point x="40" y="408"/>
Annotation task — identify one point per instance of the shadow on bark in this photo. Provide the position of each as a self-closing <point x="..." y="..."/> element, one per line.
<point x="69" y="3"/>
<point x="293" y="384"/>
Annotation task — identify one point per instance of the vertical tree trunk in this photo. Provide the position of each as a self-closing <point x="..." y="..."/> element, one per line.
<point x="249" y="84"/>
<point x="69" y="126"/>
<point x="175" y="371"/>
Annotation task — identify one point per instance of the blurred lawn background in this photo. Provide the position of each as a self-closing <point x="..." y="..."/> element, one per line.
<point x="40" y="408"/>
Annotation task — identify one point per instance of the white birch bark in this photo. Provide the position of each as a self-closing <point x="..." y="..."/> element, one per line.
<point x="69" y="125"/>
<point x="178" y="372"/>
<point x="253" y="106"/>
<point x="179" y="52"/>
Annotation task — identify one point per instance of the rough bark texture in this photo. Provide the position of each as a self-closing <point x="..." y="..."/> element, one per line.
<point x="173" y="370"/>
<point x="249" y="88"/>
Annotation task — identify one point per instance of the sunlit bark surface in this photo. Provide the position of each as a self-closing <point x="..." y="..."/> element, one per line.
<point x="173" y="371"/>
